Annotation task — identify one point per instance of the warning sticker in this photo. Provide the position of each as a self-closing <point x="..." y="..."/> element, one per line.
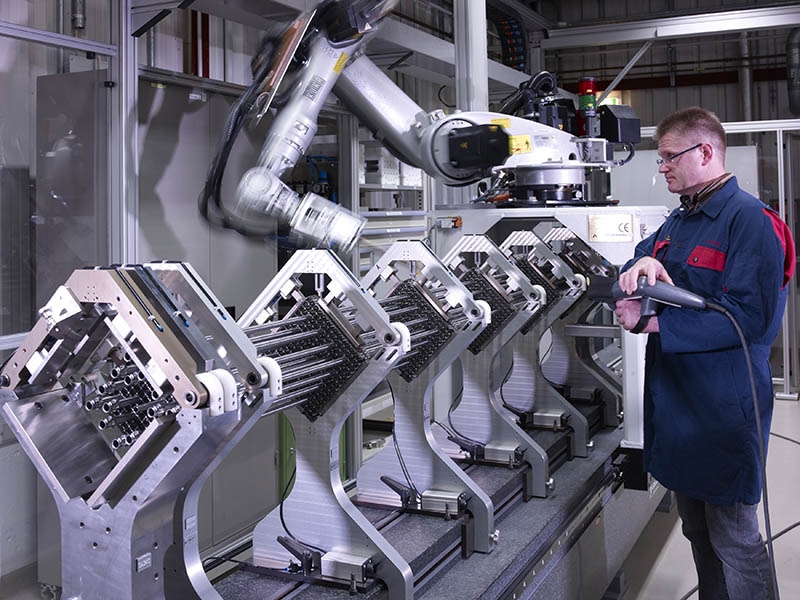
<point x="519" y="144"/>
<point x="337" y="68"/>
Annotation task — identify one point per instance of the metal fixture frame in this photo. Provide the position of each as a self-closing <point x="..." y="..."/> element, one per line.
<point x="480" y="414"/>
<point x="442" y="485"/>
<point x="317" y="513"/>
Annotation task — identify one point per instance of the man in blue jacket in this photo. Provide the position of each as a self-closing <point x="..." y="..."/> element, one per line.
<point x="701" y="439"/>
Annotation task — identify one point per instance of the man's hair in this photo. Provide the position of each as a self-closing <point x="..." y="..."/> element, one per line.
<point x="694" y="120"/>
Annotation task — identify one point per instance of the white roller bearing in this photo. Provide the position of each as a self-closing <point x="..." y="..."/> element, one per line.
<point x="275" y="380"/>
<point x="223" y="395"/>
<point x="216" y="403"/>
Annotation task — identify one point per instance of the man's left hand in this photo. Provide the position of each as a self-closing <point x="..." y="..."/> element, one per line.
<point x="629" y="312"/>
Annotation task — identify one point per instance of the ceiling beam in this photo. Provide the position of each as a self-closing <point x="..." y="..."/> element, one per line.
<point x="673" y="27"/>
<point x="435" y="51"/>
<point x="532" y="19"/>
<point x="393" y="36"/>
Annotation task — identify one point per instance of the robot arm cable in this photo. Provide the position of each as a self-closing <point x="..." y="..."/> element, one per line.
<point x="237" y="117"/>
<point x="628" y="158"/>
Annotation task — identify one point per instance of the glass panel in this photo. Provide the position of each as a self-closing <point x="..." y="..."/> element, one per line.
<point x="179" y="132"/>
<point x="86" y="19"/>
<point x="53" y="164"/>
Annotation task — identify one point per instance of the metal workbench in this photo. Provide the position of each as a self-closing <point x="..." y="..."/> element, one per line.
<point x="570" y="544"/>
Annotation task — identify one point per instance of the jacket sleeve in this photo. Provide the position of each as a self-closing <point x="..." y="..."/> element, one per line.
<point x="751" y="287"/>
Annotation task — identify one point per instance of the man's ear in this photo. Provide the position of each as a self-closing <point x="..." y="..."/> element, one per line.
<point x="708" y="153"/>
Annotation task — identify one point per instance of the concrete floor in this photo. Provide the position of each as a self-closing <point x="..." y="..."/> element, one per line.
<point x="660" y="566"/>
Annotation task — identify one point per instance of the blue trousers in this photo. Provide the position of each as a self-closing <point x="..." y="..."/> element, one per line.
<point x="729" y="553"/>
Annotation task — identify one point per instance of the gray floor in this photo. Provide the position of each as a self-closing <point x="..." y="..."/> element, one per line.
<point x="660" y="565"/>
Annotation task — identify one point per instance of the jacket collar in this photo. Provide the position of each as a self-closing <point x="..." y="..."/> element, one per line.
<point x="713" y="204"/>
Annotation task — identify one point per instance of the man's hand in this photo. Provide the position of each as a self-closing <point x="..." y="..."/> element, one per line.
<point x="648" y="266"/>
<point x="629" y="312"/>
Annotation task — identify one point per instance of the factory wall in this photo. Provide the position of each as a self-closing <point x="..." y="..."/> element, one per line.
<point x="21" y="64"/>
<point x="179" y="129"/>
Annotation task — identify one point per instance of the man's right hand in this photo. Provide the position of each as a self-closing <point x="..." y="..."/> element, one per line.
<point x="654" y="270"/>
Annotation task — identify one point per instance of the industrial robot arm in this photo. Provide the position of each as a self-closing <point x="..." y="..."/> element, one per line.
<point x="536" y="158"/>
<point x="322" y="41"/>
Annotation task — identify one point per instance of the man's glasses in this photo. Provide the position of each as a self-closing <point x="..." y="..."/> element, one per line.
<point x="669" y="159"/>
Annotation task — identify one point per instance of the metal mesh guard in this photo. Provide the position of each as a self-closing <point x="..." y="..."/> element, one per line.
<point x="419" y="316"/>
<point x="502" y="311"/>
<point x="339" y="346"/>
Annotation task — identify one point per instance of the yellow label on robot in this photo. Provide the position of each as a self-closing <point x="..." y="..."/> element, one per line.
<point x="503" y="122"/>
<point x="519" y="144"/>
<point x="337" y="68"/>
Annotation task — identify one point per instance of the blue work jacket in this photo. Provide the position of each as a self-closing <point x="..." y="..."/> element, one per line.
<point x="700" y="435"/>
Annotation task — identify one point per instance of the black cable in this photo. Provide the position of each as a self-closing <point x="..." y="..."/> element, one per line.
<point x="447" y="430"/>
<point x="210" y="199"/>
<point x="452" y="434"/>
<point x="450" y="410"/>
<point x="283" y="522"/>
<point x="760" y="433"/>
<point x="210" y="196"/>
<point x="406" y="474"/>
<point x="774" y="537"/>
<point x="506" y="377"/>
<point x="689" y="593"/>
<point x="223" y="559"/>
<point x="541" y="84"/>
<point x="628" y="158"/>
<point x="283" y="497"/>
<point x="786" y="530"/>
<point x="507" y="98"/>
<point x="500" y="181"/>
<point x="783" y="437"/>
<point x="439" y="95"/>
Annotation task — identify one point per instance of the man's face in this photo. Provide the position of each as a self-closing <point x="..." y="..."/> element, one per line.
<point x="682" y="163"/>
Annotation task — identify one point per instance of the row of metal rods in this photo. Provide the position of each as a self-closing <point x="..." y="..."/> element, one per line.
<point x="289" y="359"/>
<point x="300" y="383"/>
<point x="396" y="312"/>
<point x="311" y="368"/>
<point x="257" y="329"/>
<point x="264" y="343"/>
<point x="302" y="377"/>
<point x="288" y="400"/>
<point x="302" y="370"/>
